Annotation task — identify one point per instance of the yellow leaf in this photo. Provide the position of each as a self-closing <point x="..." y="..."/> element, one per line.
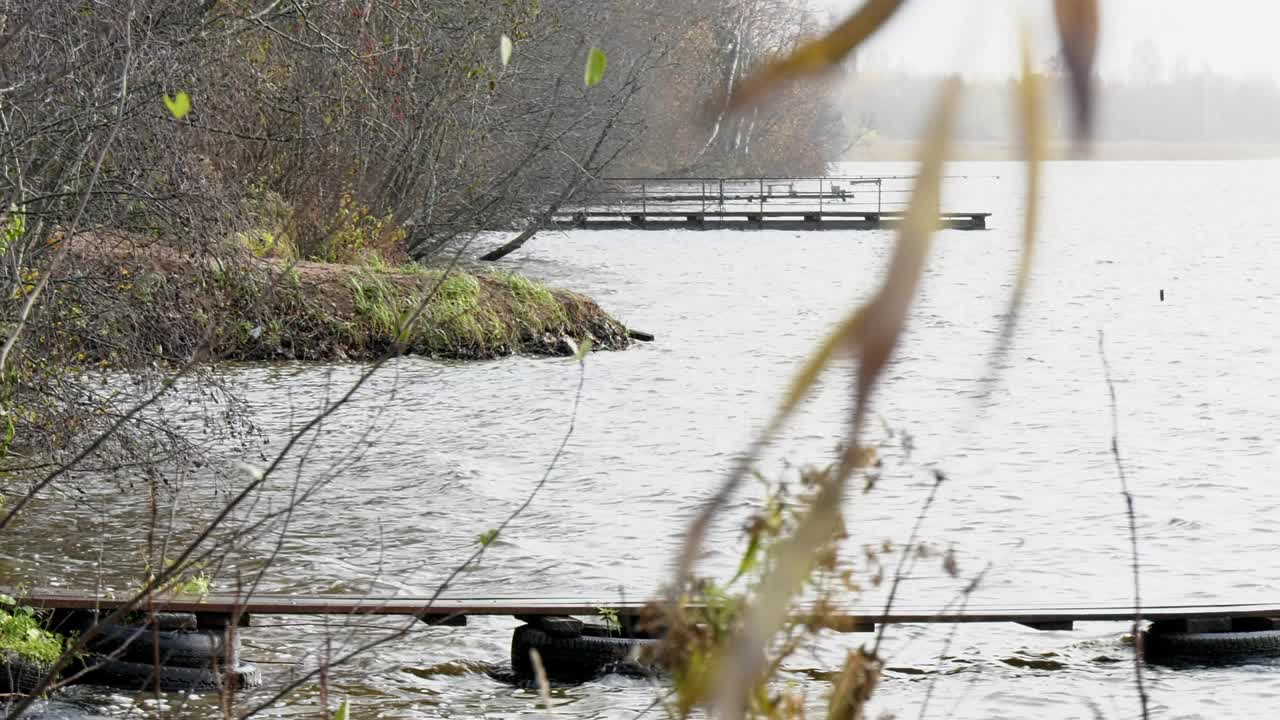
<point x="842" y="339"/>
<point x="593" y="73"/>
<point x="179" y="105"/>
<point x="1031" y="121"/>
<point x="886" y="314"/>
<point x="1078" y="29"/>
<point x="1034" y="131"/>
<point x="872" y="332"/>
<point x="504" y="50"/>
<point x="816" y="55"/>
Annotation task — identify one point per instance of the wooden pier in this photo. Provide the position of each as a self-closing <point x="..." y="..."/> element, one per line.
<point x="190" y="642"/>
<point x="454" y="611"/>
<point x="823" y="203"/>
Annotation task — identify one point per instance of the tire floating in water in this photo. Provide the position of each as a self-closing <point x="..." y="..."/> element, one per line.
<point x="165" y="620"/>
<point x="142" y="676"/>
<point x="125" y="656"/>
<point x="177" y="648"/>
<point x="20" y="676"/>
<point x="1212" y="646"/>
<point x="555" y="625"/>
<point x="1242" y="638"/>
<point x="578" y="659"/>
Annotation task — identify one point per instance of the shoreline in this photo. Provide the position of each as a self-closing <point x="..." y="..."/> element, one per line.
<point x="128" y="306"/>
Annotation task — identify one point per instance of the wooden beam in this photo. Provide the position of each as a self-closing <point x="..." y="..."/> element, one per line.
<point x="451" y="608"/>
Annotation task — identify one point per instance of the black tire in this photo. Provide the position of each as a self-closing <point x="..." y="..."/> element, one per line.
<point x="178" y="648"/>
<point x="166" y="620"/>
<point x="575" y="659"/>
<point x="1213" y="646"/>
<point x="504" y="674"/>
<point x="138" y="676"/>
<point x="554" y="625"/>
<point x="19" y="676"/>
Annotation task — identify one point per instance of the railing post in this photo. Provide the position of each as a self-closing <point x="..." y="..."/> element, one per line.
<point x="819" y="197"/>
<point x="702" y="195"/>
<point x="878" y="185"/>
<point x="761" y="199"/>
<point x="644" y="197"/>
<point x="721" y="198"/>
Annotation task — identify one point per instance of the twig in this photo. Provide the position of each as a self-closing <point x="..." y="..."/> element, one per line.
<point x="466" y="564"/>
<point x="965" y="595"/>
<point x="35" y="293"/>
<point x="938" y="477"/>
<point x="63" y="251"/>
<point x="1133" y="531"/>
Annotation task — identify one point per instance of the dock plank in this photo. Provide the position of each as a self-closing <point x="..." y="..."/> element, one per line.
<point x="282" y="604"/>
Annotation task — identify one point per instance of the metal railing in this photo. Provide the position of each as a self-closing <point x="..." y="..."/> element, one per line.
<point x="648" y="196"/>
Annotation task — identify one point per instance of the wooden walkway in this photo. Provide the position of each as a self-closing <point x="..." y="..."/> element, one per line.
<point x="455" y="610"/>
<point x="604" y="219"/>
<point x="815" y="203"/>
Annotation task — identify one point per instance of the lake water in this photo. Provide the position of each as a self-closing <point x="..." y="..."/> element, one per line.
<point x="432" y="454"/>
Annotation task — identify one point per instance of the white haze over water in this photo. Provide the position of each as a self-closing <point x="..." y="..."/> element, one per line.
<point x="979" y="38"/>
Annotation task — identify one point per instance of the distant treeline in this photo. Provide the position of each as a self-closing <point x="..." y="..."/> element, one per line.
<point x="1200" y="107"/>
<point x="301" y="113"/>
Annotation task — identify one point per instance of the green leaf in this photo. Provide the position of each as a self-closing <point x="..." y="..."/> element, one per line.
<point x="344" y="711"/>
<point x="179" y="105"/>
<point x="611" y="621"/>
<point x="10" y="430"/>
<point x="7" y="600"/>
<point x="596" y="63"/>
<point x="504" y="50"/>
<point x="487" y="537"/>
<point x="580" y="352"/>
<point x="749" y="558"/>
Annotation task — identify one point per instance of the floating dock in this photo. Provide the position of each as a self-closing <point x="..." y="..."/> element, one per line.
<point x="187" y="642"/>
<point x="825" y="203"/>
<point x="454" y="611"/>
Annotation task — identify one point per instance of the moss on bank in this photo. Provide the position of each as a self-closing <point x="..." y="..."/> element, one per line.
<point x="131" y="306"/>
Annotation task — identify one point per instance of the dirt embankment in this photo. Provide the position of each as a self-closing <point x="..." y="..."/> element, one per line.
<point x="115" y="304"/>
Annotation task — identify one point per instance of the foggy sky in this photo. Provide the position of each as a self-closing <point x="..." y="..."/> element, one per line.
<point x="979" y="37"/>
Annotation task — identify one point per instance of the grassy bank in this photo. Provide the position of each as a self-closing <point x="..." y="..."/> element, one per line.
<point x="123" y="306"/>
